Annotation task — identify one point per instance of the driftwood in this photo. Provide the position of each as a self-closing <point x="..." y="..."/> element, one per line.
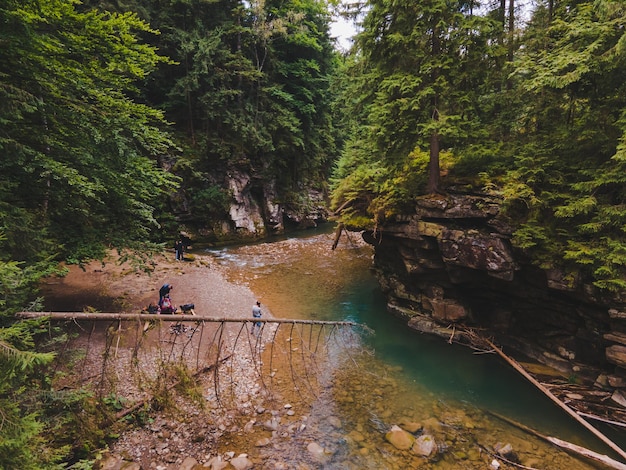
<point x="558" y="402"/>
<point x="505" y="460"/>
<point x="576" y="449"/>
<point x="337" y="235"/>
<point x="602" y="420"/>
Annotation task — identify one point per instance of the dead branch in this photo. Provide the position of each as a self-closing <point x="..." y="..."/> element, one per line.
<point x="337" y="235"/>
<point x="576" y="449"/>
<point x="143" y="402"/>
<point x="559" y="403"/>
<point x="602" y="420"/>
<point x="505" y="460"/>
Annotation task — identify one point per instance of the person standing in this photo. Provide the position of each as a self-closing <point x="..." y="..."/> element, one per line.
<point x="179" y="249"/>
<point x="256" y="313"/>
<point x="163" y="292"/>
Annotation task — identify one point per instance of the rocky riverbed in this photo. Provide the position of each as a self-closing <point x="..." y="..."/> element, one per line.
<point x="359" y="415"/>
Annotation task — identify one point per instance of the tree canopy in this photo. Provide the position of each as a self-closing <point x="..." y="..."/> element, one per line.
<point x="532" y="111"/>
<point x="108" y="111"/>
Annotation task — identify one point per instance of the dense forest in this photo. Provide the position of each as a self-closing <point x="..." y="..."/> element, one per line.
<point x="119" y="118"/>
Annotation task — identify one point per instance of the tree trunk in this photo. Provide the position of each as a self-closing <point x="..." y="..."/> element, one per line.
<point x="433" y="165"/>
<point x="558" y="402"/>
<point x="511" y="29"/>
<point x="550" y="10"/>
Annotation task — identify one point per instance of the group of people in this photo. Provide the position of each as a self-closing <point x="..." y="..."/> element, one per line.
<point x="166" y="306"/>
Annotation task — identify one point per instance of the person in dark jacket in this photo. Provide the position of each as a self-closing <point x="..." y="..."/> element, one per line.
<point x="179" y="249"/>
<point x="164" y="291"/>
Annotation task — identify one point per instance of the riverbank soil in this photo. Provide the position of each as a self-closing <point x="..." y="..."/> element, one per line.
<point x="191" y="427"/>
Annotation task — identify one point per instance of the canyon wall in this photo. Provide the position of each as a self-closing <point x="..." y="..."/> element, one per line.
<point x="255" y="209"/>
<point x="451" y="265"/>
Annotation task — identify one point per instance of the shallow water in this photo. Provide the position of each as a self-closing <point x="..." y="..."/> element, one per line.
<point x="413" y="377"/>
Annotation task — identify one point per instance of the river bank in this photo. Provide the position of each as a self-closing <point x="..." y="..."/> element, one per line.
<point x="344" y="426"/>
<point x="192" y="431"/>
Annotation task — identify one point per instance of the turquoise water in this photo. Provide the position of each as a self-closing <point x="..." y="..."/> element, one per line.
<point x="302" y="278"/>
<point x="452" y="371"/>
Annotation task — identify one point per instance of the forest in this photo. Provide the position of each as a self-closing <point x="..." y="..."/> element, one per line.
<point x="115" y="113"/>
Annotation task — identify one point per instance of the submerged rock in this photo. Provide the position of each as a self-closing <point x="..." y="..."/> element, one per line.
<point x="409" y="425"/>
<point x="425" y="446"/>
<point x="399" y="438"/>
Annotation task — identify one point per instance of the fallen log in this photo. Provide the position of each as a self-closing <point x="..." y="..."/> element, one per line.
<point x="174" y="318"/>
<point x="568" y="446"/>
<point x="559" y="403"/>
<point x="601" y="419"/>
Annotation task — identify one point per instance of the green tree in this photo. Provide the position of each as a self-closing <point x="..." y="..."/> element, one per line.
<point x="248" y="90"/>
<point x="423" y="79"/>
<point x="570" y="170"/>
<point x="423" y="57"/>
<point x="79" y="152"/>
<point x="78" y="174"/>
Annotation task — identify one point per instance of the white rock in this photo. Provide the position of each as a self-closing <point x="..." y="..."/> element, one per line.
<point x="265" y="441"/>
<point x="249" y="425"/>
<point x="334" y="422"/>
<point x="495" y="465"/>
<point x="425" y="445"/>
<point x="188" y="464"/>
<point x="315" y="449"/>
<point x="242" y="462"/>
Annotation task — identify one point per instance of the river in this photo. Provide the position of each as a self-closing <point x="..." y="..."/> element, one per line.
<point x="448" y="390"/>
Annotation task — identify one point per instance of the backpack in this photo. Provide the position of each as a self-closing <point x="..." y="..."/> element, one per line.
<point x="166" y="306"/>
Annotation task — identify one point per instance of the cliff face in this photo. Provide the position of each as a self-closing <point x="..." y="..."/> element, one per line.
<point x="255" y="209"/>
<point x="451" y="265"/>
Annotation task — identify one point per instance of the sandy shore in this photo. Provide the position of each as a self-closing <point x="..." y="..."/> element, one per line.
<point x="111" y="287"/>
<point x="192" y="430"/>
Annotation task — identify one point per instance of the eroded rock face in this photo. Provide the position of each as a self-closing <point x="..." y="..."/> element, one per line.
<point x="256" y="209"/>
<point x="244" y="210"/>
<point x="452" y="262"/>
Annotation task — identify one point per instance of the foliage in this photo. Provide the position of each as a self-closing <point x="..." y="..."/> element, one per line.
<point x="413" y="83"/>
<point x="77" y="147"/>
<point x="248" y="91"/>
<point x="79" y="174"/>
<point x="534" y="115"/>
<point x="572" y="163"/>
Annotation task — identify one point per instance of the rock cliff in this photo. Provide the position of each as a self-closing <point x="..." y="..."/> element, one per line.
<point x="254" y="209"/>
<point x="451" y="265"/>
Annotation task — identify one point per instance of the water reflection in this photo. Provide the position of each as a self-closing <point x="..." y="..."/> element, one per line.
<point x="411" y="377"/>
